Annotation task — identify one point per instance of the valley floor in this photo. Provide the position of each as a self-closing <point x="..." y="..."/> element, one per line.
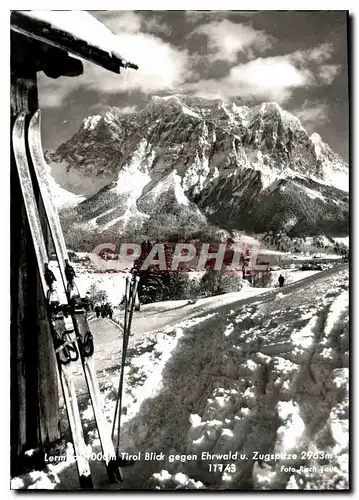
<point x="236" y="375"/>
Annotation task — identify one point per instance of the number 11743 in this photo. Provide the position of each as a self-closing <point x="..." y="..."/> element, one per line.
<point x="222" y="467"/>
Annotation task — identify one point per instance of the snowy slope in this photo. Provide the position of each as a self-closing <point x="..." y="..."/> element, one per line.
<point x="62" y="197"/>
<point x="270" y="376"/>
<point x="334" y="171"/>
<point x="247" y="380"/>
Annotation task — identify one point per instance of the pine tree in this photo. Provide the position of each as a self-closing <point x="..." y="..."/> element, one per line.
<point x="157" y="284"/>
<point x="150" y="285"/>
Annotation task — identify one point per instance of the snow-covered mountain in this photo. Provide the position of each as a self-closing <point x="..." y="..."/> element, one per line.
<point x="245" y="168"/>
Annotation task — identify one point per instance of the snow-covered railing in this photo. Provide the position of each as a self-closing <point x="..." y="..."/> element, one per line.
<point x="77" y="32"/>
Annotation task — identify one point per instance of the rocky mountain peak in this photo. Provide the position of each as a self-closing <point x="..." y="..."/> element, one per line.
<point x="230" y="160"/>
<point x="198" y="107"/>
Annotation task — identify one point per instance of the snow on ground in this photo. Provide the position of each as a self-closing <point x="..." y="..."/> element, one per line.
<point x="243" y="384"/>
<point x="290" y="275"/>
<point x="253" y="390"/>
<point x="144" y="373"/>
<point x="206" y="303"/>
<point x="337" y="308"/>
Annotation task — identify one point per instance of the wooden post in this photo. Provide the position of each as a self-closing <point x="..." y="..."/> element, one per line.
<point x="34" y="384"/>
<point x="36" y="46"/>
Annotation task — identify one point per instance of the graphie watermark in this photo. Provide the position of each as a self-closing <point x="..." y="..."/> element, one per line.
<point x="166" y="256"/>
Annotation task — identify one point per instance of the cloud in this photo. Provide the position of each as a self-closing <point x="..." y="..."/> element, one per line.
<point x="164" y="67"/>
<point x="270" y="78"/>
<point x="226" y="39"/>
<point x="201" y="16"/>
<point x="312" y="114"/>
<point x="121" y="21"/>
<point x="317" y="55"/>
<point x="193" y="17"/>
<point x="133" y="22"/>
<point x="328" y="72"/>
<point x="154" y="25"/>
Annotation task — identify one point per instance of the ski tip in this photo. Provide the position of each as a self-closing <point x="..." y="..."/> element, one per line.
<point x="19" y="127"/>
<point x="35" y="119"/>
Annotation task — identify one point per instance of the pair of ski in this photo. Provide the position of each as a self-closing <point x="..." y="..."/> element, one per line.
<point x="74" y="342"/>
<point x="131" y="303"/>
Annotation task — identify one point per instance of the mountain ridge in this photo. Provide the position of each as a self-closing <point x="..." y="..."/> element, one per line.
<point x="244" y="168"/>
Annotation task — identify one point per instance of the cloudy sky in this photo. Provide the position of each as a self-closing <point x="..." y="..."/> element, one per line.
<point x="298" y="59"/>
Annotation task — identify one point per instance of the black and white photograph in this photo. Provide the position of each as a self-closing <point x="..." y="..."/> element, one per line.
<point x="180" y="250"/>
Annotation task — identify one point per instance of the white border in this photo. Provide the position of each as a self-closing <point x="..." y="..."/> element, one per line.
<point x="5" y="181"/>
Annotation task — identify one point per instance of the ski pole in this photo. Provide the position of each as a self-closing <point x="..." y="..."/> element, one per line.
<point x="127" y="293"/>
<point x="133" y="298"/>
<point x="124" y="354"/>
